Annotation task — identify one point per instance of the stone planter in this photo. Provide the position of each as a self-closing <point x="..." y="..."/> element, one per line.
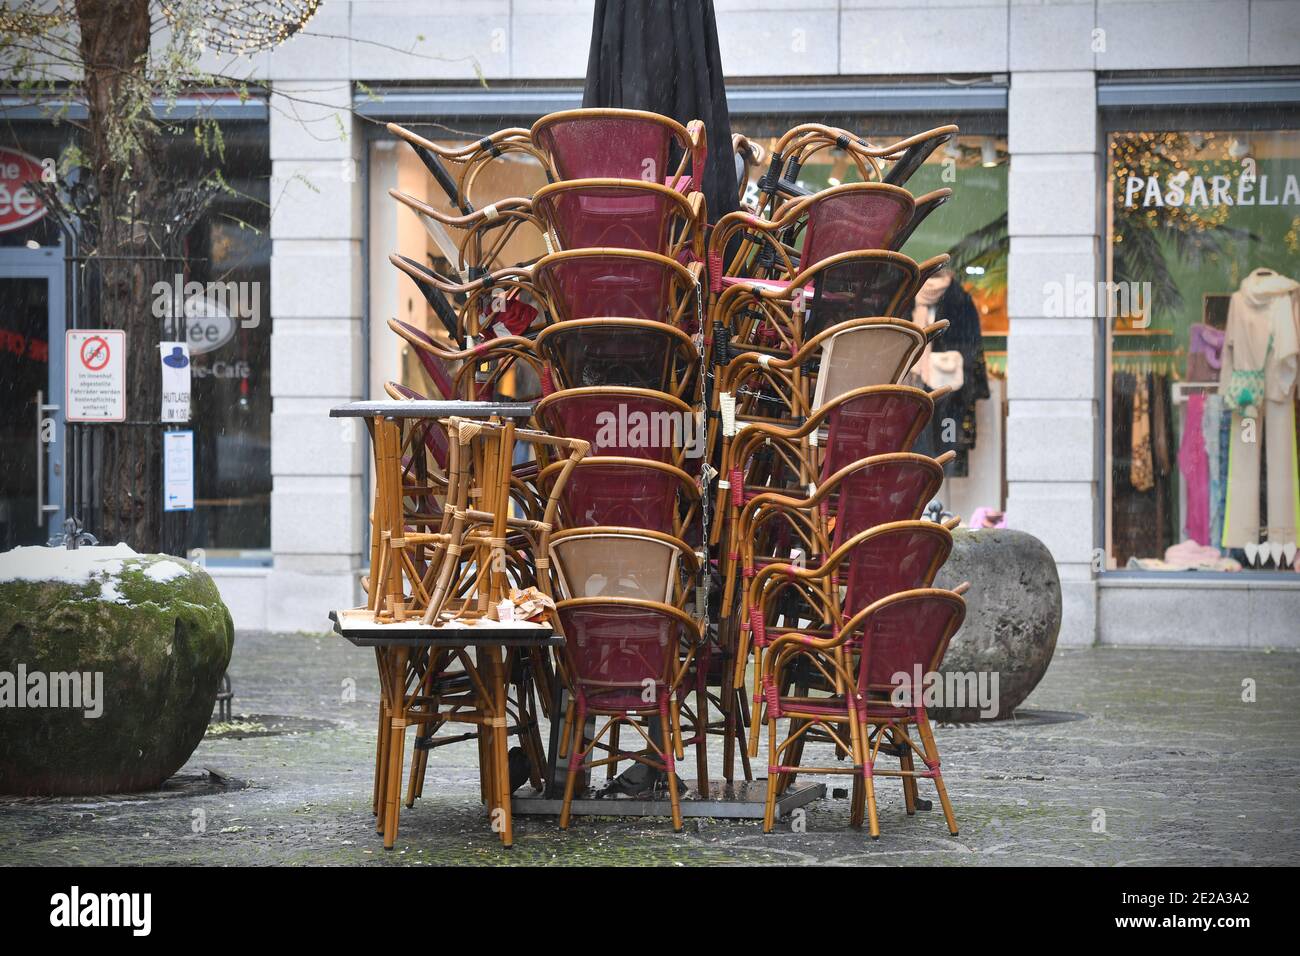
<point x="110" y="663"/>
<point x="1013" y="616"/>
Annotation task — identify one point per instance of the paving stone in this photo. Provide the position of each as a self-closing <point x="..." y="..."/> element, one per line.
<point x="1159" y="741"/>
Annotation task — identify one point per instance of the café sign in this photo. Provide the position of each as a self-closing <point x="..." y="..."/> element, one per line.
<point x="19" y="205"/>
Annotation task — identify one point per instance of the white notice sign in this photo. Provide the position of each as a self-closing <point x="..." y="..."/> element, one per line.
<point x="96" y="375"/>
<point x="178" y="471"/>
<point x="175" y="382"/>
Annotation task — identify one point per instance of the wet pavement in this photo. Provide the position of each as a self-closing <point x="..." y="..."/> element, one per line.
<point x="1127" y="757"/>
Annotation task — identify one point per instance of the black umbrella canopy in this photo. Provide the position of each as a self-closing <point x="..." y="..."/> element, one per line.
<point x="662" y="56"/>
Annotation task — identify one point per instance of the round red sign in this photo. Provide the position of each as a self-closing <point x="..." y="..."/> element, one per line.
<point x="94" y="353"/>
<point x="19" y="205"/>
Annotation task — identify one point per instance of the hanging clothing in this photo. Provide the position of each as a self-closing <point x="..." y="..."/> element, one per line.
<point x="1261" y="352"/>
<point x="1141" y="473"/>
<point x="1204" y="353"/>
<point x="1194" y="464"/>
<point x="1136" y="514"/>
<point x="1272" y="439"/>
<point x="1216" y="426"/>
<point x="953" y="426"/>
<point x="663" y="56"/>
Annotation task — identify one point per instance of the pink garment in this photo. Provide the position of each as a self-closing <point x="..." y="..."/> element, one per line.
<point x="1193" y="555"/>
<point x="988" y="518"/>
<point x="1194" y="463"/>
<point x="1204" y="353"/>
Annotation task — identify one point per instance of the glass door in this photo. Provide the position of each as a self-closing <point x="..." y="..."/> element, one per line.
<point x="31" y="395"/>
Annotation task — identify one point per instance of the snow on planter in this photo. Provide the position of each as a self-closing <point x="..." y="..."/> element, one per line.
<point x="110" y="662"/>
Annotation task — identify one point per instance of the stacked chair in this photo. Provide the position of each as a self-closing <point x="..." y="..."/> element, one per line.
<point x="828" y="568"/>
<point x="719" y="488"/>
<point x="605" y="321"/>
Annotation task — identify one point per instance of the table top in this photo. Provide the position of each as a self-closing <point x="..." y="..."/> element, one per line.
<point x="405" y="408"/>
<point x="358" y="626"/>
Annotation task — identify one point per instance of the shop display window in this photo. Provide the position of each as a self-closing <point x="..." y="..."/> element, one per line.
<point x="1201" y="384"/>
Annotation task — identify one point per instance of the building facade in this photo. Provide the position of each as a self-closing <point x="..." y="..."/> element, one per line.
<point x="1082" y="123"/>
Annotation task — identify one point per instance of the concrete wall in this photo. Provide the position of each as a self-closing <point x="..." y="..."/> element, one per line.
<point x="1051" y="49"/>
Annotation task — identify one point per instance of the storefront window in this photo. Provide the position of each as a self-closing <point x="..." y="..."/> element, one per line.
<point x="395" y="228"/>
<point x="972" y="228"/>
<point x="231" y="388"/>
<point x="231" y="355"/>
<point x="1204" y="244"/>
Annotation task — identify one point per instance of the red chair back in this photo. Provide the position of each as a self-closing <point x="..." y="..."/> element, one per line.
<point x="892" y="558"/>
<point x="617" y="649"/>
<point x="904" y="632"/>
<point x="621" y="494"/>
<point x="876" y="421"/>
<point x="852" y="217"/>
<point x="617" y="215"/>
<point x="587" y="144"/>
<point x="859" y="284"/>
<point x="632" y="423"/>
<point x="602" y="284"/>
<point x="613" y="353"/>
<point x="883" y="489"/>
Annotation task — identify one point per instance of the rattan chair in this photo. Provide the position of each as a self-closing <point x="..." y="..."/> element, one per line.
<point x="897" y="636"/>
<point x="622" y="214"/>
<point x="622" y="144"/>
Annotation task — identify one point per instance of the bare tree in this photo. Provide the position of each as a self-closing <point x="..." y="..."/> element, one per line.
<point x="114" y="192"/>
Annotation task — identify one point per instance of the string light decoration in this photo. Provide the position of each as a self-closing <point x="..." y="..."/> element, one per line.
<point x="1147" y="240"/>
<point x="242" y="27"/>
<point x="29" y="22"/>
<point x="1169" y="157"/>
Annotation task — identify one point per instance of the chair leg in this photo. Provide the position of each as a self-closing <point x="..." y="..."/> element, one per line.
<point x="424" y="769"/>
<point x="611" y="769"/>
<point x="392" y="800"/>
<point x="702" y="742"/>
<point x="793" y="758"/>
<point x="530" y="734"/>
<point x="769" y="809"/>
<point x="675" y="715"/>
<point x="906" y="764"/>
<point x="575" y="764"/>
<point x="536" y="753"/>
<point x="671" y="741"/>
<point x="741" y="724"/>
<point x="566" y="723"/>
<point x="857" y="804"/>
<point x="732" y="735"/>
<point x="869" y="785"/>
<point x="381" y="752"/>
<point x="416" y="777"/>
<point x="484" y="777"/>
<point x="932" y="761"/>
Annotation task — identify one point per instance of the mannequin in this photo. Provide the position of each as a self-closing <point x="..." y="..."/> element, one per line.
<point x="1257" y="381"/>
<point x="956" y="359"/>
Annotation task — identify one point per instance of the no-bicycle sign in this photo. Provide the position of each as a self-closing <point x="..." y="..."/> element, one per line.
<point x="96" y="375"/>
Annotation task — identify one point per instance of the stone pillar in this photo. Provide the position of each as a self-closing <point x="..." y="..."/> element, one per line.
<point x="1054" y="423"/>
<point x="318" y="509"/>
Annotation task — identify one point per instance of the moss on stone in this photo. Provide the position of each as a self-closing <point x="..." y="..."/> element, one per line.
<point x="161" y="646"/>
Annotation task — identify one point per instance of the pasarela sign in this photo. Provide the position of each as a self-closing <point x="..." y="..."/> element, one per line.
<point x="19" y="205"/>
